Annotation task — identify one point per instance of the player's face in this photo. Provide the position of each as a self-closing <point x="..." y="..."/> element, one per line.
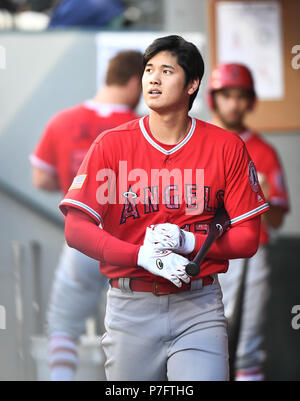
<point x="231" y="106"/>
<point x="163" y="83"/>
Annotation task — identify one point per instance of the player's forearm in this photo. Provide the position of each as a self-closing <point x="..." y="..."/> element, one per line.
<point x="240" y="241"/>
<point x="274" y="216"/>
<point x="83" y="234"/>
<point x="44" y="180"/>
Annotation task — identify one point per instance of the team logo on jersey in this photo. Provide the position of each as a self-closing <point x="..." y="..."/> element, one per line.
<point x="130" y="194"/>
<point x="252" y="175"/>
<point x="78" y="181"/>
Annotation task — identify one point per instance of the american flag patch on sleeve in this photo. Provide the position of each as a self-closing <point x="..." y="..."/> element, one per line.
<point x="78" y="181"/>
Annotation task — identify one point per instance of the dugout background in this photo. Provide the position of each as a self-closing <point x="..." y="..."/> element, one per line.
<point x="44" y="73"/>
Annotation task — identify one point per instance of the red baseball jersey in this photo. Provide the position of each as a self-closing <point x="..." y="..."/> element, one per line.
<point x="128" y="181"/>
<point x="268" y="164"/>
<point x="70" y="133"/>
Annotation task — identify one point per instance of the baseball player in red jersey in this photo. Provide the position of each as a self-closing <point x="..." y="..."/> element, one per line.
<point x="78" y="285"/>
<point x="231" y="96"/>
<point x="141" y="204"/>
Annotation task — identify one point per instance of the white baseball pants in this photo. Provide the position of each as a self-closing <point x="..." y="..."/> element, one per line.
<point x="250" y="347"/>
<point x="76" y="293"/>
<point x="180" y="336"/>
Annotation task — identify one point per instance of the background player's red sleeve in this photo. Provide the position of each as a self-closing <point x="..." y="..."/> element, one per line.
<point x="44" y="155"/>
<point x="243" y="198"/>
<point x="82" y="233"/>
<point x="240" y="241"/>
<point x="278" y="194"/>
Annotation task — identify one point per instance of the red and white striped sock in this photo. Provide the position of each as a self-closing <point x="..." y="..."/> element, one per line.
<point x="250" y="374"/>
<point x="63" y="357"/>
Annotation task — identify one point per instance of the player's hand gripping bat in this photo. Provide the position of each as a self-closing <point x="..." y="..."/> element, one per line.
<point x="220" y="222"/>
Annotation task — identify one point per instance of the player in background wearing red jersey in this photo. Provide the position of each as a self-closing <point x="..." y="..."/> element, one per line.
<point x="78" y="284"/>
<point x="231" y="97"/>
<point x="141" y="204"/>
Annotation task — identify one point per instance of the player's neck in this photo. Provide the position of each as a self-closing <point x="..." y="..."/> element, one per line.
<point x="170" y="128"/>
<point x="111" y="95"/>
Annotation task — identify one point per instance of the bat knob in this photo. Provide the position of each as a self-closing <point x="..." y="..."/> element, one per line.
<point x="220" y="229"/>
<point x="192" y="269"/>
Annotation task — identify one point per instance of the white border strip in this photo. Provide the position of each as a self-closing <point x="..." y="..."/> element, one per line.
<point x="36" y="162"/>
<point x="106" y="109"/>
<point x="173" y="150"/>
<point x="249" y="214"/>
<point x="84" y="206"/>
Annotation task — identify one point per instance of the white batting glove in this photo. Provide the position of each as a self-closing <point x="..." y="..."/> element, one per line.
<point x="163" y="263"/>
<point x="170" y="237"/>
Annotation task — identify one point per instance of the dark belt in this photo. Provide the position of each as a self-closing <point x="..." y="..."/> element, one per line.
<point x="159" y="288"/>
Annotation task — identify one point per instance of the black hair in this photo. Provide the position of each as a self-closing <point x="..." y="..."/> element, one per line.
<point x="188" y="57"/>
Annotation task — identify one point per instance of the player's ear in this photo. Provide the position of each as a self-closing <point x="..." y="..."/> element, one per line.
<point x="193" y="86"/>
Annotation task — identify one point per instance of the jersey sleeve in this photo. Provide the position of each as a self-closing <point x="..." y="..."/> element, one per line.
<point x="88" y="191"/>
<point x="278" y="193"/>
<point x="44" y="155"/>
<point x="243" y="197"/>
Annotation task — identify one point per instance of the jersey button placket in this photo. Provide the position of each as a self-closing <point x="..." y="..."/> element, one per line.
<point x="167" y="161"/>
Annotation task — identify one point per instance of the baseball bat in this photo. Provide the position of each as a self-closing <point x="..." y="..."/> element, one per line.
<point x="219" y="223"/>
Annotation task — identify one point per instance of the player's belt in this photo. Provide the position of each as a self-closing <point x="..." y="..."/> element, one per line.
<point x="158" y="288"/>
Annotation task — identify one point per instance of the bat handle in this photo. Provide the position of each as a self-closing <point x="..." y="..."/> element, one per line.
<point x="220" y="222"/>
<point x="193" y="268"/>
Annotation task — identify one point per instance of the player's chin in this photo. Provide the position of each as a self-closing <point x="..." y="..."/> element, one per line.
<point x="154" y="104"/>
<point x="232" y="121"/>
<point x="157" y="109"/>
<point x="161" y="107"/>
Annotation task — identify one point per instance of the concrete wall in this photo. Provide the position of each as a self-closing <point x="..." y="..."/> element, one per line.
<point x="44" y="73"/>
